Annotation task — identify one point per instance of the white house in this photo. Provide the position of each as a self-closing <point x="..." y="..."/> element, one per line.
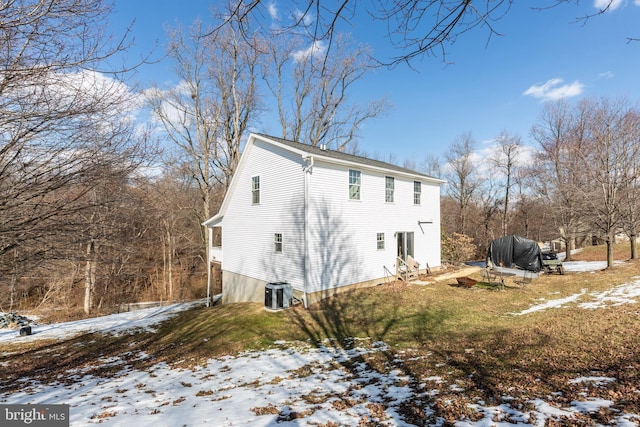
<point x="320" y="220"/>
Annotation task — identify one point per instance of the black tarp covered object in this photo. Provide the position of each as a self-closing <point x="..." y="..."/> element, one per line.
<point x="515" y="251"/>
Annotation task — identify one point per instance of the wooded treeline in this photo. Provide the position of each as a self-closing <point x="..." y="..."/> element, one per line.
<point x="97" y="206"/>
<point x="579" y="184"/>
<point x="97" y="209"/>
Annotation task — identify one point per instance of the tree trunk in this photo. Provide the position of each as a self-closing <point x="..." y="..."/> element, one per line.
<point x="89" y="276"/>
<point x="609" y="251"/>
<point x="570" y="246"/>
<point x="170" y="263"/>
<point x="634" y="246"/>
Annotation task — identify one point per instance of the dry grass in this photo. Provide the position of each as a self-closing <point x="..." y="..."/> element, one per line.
<point x="621" y="251"/>
<point x="468" y="336"/>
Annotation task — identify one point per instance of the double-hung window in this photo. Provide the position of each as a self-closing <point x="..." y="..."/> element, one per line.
<point x="255" y="190"/>
<point x="417" y="192"/>
<point x="277" y="240"/>
<point x="389" y="186"/>
<point x="380" y="240"/>
<point x="354" y="184"/>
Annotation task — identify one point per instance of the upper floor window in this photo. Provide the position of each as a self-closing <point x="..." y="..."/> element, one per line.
<point x="255" y="190"/>
<point x="389" y="186"/>
<point x="354" y="184"/>
<point x="417" y="192"/>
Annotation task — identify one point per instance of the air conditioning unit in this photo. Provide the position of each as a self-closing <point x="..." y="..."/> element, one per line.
<point x="277" y="295"/>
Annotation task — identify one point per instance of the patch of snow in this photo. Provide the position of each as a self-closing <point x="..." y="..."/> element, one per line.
<point x="622" y="294"/>
<point x="118" y="323"/>
<point x="586" y="266"/>
<point x="556" y="303"/>
<point x="594" y="380"/>
<point x="591" y="405"/>
<point x="285" y="386"/>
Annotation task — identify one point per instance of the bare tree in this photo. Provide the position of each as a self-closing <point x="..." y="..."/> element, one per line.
<point x="207" y="114"/>
<point x="462" y="177"/>
<point x="506" y="161"/>
<point x="311" y="90"/>
<point x="61" y="122"/>
<point x="431" y="165"/>
<point x="630" y="207"/>
<point x="557" y="167"/>
<point x="415" y="27"/>
<point x="610" y="164"/>
<point x="172" y="203"/>
<point x="630" y="200"/>
<point x="190" y="112"/>
<point x="488" y="206"/>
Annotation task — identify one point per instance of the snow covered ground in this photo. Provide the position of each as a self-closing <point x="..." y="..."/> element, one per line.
<point x="627" y="293"/>
<point x="290" y="385"/>
<point x="114" y="323"/>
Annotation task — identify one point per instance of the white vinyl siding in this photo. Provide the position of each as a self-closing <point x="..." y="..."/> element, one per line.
<point x="341" y="251"/>
<point x="248" y="237"/>
<point x="340" y="232"/>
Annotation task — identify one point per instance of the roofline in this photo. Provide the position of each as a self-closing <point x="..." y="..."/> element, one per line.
<point x="380" y="166"/>
<point x="316" y="153"/>
<point x="217" y="218"/>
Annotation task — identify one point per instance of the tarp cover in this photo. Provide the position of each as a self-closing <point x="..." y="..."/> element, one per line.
<point x="515" y="251"/>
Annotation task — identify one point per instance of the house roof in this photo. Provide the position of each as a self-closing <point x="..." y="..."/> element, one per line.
<point x="327" y="155"/>
<point x="345" y="157"/>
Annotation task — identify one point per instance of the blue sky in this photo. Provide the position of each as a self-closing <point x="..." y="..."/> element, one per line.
<point x="486" y="89"/>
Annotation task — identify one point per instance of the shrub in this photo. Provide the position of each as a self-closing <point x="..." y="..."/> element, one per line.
<point x="457" y="247"/>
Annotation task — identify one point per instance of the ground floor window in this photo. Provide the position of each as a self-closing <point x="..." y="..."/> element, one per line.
<point x="380" y="240"/>
<point x="278" y="242"/>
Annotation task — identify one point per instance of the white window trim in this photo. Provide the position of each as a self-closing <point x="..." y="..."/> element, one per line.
<point x="393" y="189"/>
<point x="255" y="191"/>
<point x="417" y="195"/>
<point x="278" y="243"/>
<point x="357" y="184"/>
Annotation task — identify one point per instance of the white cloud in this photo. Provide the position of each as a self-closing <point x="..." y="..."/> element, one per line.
<point x="607" y="74"/>
<point x="273" y="10"/>
<point x="317" y="48"/>
<point x="169" y="109"/>
<point x="611" y="4"/>
<point x="305" y="18"/>
<point x="554" y="89"/>
<point x="88" y="86"/>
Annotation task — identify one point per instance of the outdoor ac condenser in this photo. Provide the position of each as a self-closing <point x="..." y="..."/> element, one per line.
<point x="277" y="295"/>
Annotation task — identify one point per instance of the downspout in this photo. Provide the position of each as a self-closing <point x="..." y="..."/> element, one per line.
<point x="307" y="273"/>
<point x="209" y="241"/>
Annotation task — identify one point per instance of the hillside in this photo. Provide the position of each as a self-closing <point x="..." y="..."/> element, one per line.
<point x="561" y="351"/>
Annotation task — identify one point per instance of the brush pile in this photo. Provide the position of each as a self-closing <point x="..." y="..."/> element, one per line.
<point x="13" y="321"/>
